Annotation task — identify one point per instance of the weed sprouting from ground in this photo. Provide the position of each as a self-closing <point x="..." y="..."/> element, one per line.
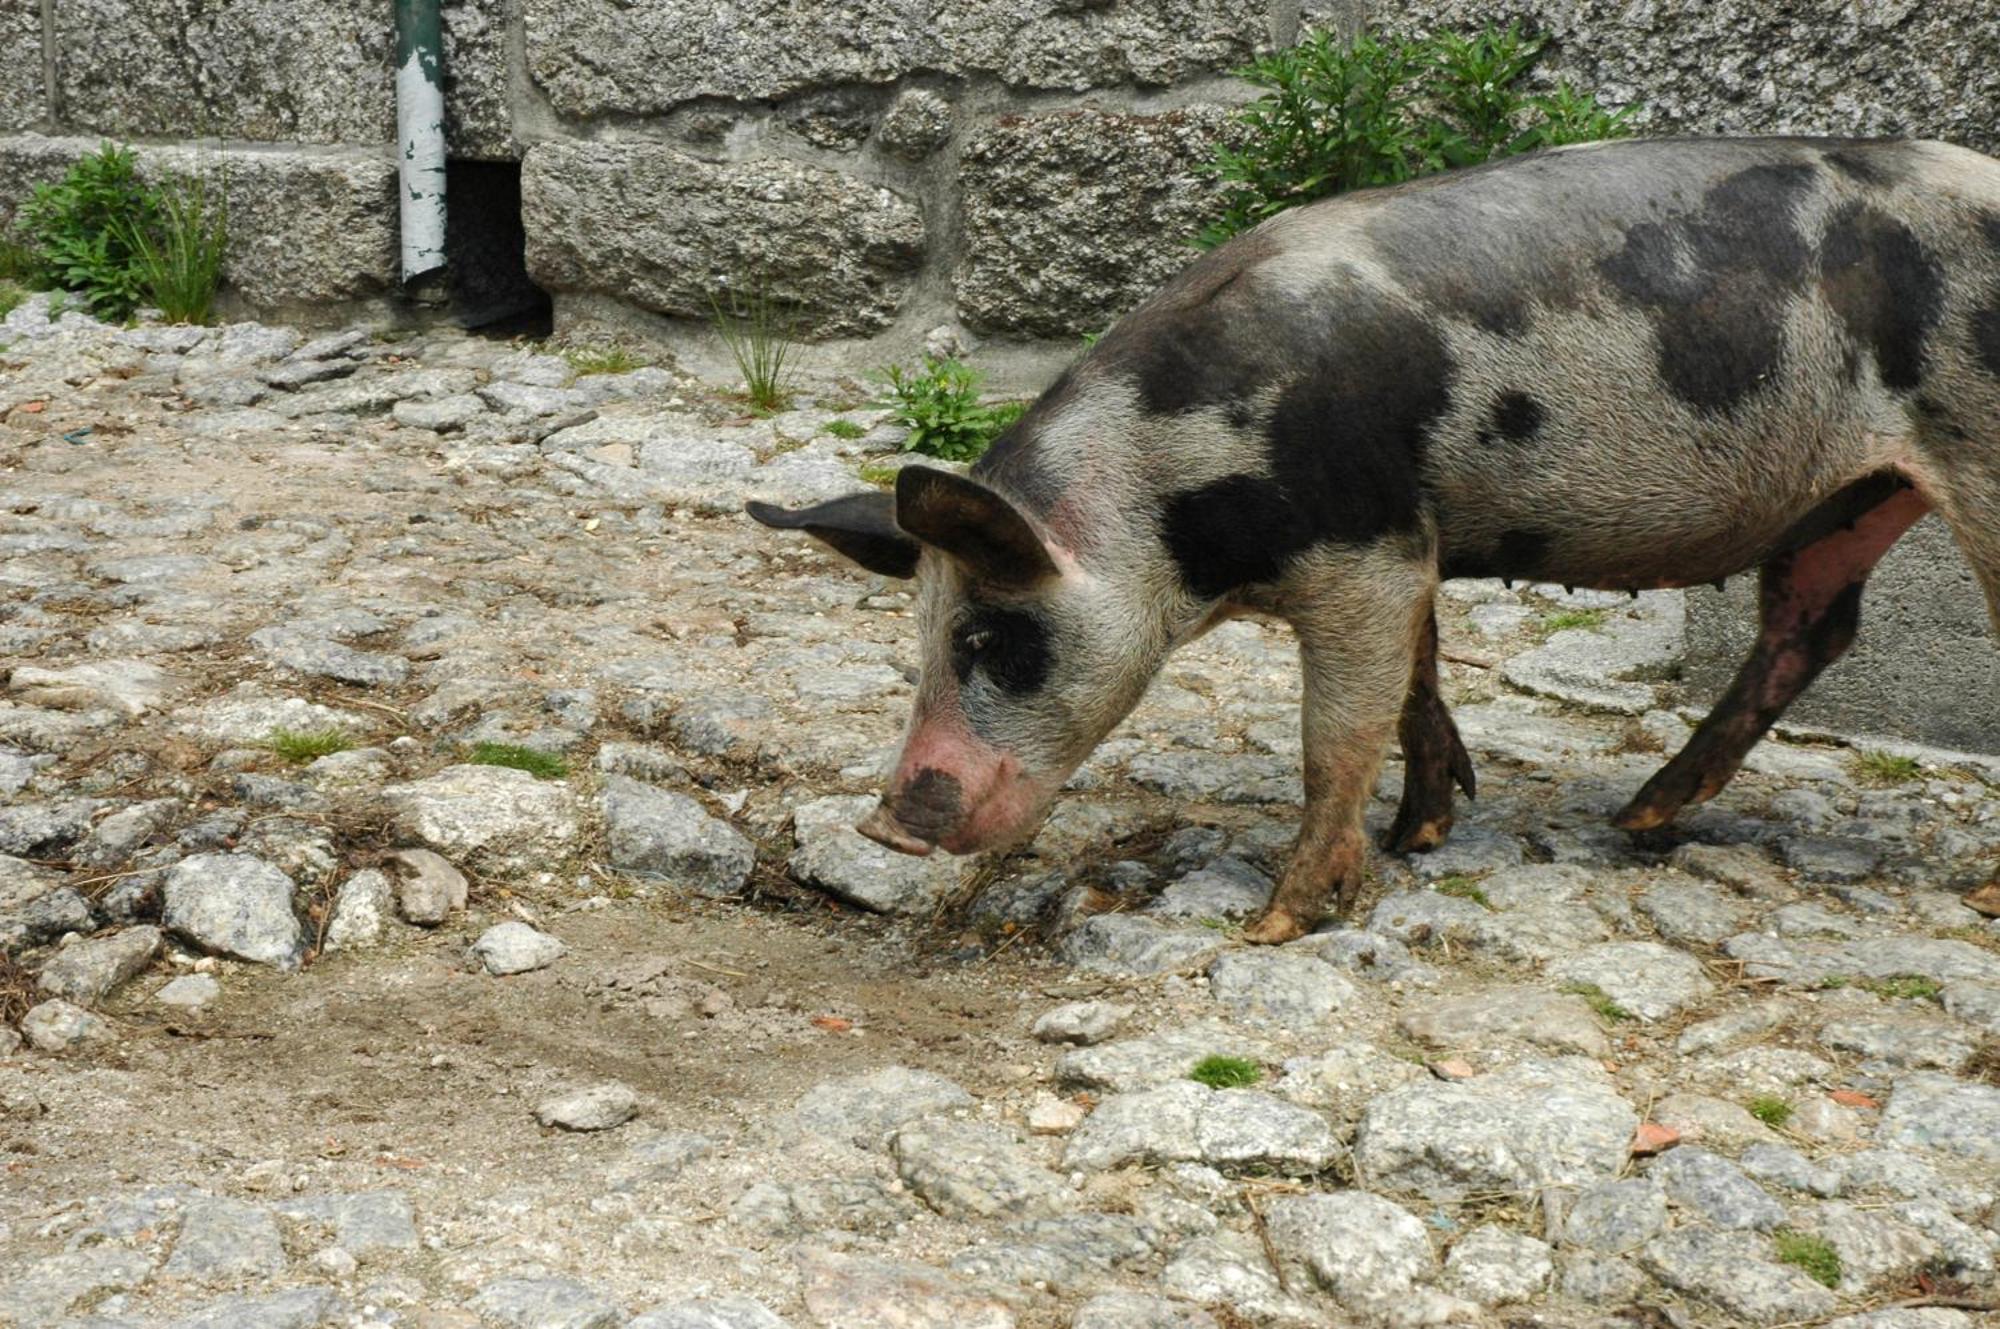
<point x="1226" y="1072"/>
<point x="299" y="746"/>
<point x="1770" y="1109"/>
<point x="178" y="259"/>
<point x="1883" y="768"/>
<point x="1463" y="888"/>
<point x="11" y="296"/>
<point x="846" y="429"/>
<point x="941" y="407"/>
<point x="1598" y="1000"/>
<point x="880" y="475"/>
<point x="1909" y="987"/>
<point x="762" y="338"/>
<point x="1564" y="620"/>
<point x="82" y="225"/>
<point x="541" y="765"/>
<point x="1813" y="1256"/>
<point x="610" y="358"/>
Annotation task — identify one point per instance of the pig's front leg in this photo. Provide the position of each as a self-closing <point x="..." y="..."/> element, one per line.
<point x="1358" y="629"/>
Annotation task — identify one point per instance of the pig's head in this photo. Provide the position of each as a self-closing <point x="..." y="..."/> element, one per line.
<point x="1028" y="658"/>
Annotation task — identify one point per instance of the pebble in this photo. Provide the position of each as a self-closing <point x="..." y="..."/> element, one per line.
<point x="428" y="888"/>
<point x="85" y="971"/>
<point x="58" y="1026"/>
<point x="598" y="1108"/>
<point x="362" y="909"/>
<point x="189" y="992"/>
<point x="660" y="833"/>
<point x="516" y="948"/>
<point x="1081" y="1022"/>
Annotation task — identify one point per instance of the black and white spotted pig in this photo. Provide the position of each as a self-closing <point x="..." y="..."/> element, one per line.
<point x="1645" y="364"/>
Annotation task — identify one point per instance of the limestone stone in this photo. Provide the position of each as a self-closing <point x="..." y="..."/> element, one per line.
<point x="234" y="904"/>
<point x="1074" y="217"/>
<point x="492" y="817"/>
<point x="23" y="93"/>
<point x="85" y="971"/>
<point x="835" y="857"/>
<point x="646" y="223"/>
<point x="661" y="833"/>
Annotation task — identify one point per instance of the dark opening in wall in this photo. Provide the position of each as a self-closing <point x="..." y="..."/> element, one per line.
<point x="487" y="249"/>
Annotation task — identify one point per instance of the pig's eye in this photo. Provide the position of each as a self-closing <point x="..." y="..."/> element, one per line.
<point x="1008" y="646"/>
<point x="972" y="643"/>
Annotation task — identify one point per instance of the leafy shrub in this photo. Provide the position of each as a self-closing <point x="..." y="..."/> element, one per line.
<point x="762" y="338"/>
<point x="178" y="259"/>
<point x="82" y="227"/>
<point x="941" y="407"/>
<point x="1336" y="117"/>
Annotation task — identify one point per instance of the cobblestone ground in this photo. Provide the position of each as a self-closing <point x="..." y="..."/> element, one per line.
<point x="321" y="1021"/>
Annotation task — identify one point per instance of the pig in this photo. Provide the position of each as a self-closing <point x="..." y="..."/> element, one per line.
<point x="1651" y="363"/>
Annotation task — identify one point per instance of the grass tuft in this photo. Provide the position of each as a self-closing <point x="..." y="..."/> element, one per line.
<point x="846" y="429"/>
<point x="1909" y="987"/>
<point x="1883" y="768"/>
<point x="1226" y="1072"/>
<point x="541" y="765"/>
<point x="1598" y="1000"/>
<point x="300" y="746"/>
<point x="1588" y="620"/>
<point x="178" y="259"/>
<point x="11" y="296"/>
<point x="1813" y="1256"/>
<point x="879" y="475"/>
<point x="762" y="337"/>
<point x="1770" y="1109"/>
<point x="1464" y="888"/>
<point x="610" y="358"/>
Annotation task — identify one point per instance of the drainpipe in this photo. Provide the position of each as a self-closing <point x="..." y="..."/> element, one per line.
<point x="420" y="135"/>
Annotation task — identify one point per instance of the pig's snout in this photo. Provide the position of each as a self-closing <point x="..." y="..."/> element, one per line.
<point x="881" y="827"/>
<point x="917" y="816"/>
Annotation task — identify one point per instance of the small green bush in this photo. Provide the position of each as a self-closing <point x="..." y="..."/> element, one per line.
<point x="1226" y="1072"/>
<point x="82" y="227"/>
<point x="1813" y="1256"/>
<point x="301" y="746"/>
<point x="940" y="405"/>
<point x="1337" y="116"/>
<point x="1883" y="768"/>
<point x="1770" y="1109"/>
<point x="178" y="260"/>
<point x="541" y="765"/>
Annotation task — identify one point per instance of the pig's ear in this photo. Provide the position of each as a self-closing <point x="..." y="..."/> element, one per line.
<point x="861" y="526"/>
<point x="973" y="524"/>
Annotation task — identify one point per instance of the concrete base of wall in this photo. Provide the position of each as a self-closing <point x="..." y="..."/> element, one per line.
<point x="1926" y="667"/>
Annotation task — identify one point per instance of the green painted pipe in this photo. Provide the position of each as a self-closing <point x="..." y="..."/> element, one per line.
<point x="420" y="134"/>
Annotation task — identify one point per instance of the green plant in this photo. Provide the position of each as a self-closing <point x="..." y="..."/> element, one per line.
<point x="879" y="474"/>
<point x="941" y="407"/>
<point x="1464" y="888"/>
<point x="1589" y="620"/>
<point x="1337" y="116"/>
<point x="762" y="338"/>
<point x="541" y="765"/>
<point x="18" y="264"/>
<point x="1770" y="1109"/>
<point x="607" y="359"/>
<point x="846" y="429"/>
<point x="1598" y="1000"/>
<point x="1909" y="987"/>
<point x="1885" y="768"/>
<point x="178" y="259"/>
<point x="11" y="296"/>
<point x="1226" y="1072"/>
<point x="299" y="746"/>
<point x="1813" y="1256"/>
<point x="82" y="227"/>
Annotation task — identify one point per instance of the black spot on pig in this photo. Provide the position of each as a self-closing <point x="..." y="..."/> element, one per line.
<point x="1517" y="553"/>
<point x="1008" y="646"/>
<point x="1986" y="337"/>
<point x="1989" y="224"/>
<point x="1347" y="437"/>
<point x="1714" y="282"/>
<point x="1516" y="417"/>
<point x="1233" y="532"/>
<point x="1204" y="340"/>
<point x="1886" y="289"/>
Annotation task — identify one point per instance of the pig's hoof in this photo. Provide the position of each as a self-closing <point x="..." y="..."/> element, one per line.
<point x="1273" y="927"/>
<point x="1640" y="816"/>
<point x="1418" y="839"/>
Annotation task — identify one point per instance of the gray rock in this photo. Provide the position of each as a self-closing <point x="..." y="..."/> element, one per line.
<point x="657" y="1159"/>
<point x="1707" y="1035"/>
<point x="598" y="1108"/>
<point x="1872" y="1246"/>
<point x="362" y="909"/>
<point x="1494" y="1267"/>
<point x="1937" y="1112"/>
<point x="250" y="718"/>
<point x="1715" y="1188"/>
<point x="1226" y="889"/>
<point x="1902" y="1040"/>
<point x="1713" y="1121"/>
<point x="1229" y="1269"/>
<point x="116" y="838"/>
<point x="236" y="905"/>
<point x="839" y="1288"/>
<point x="1616" y="1217"/>
<point x="772" y="1209"/>
<point x="1129" y="1310"/>
<point x="1650" y="980"/>
<point x="1140" y="1063"/>
<point x="1504" y="1015"/>
<point x="1062" y="211"/>
<point x="57" y="1026"/>
<point x="44" y="918"/>
<point x="1944" y="959"/>
<point x="916" y="124"/>
<point x="1535" y="1124"/>
<point x="299" y="1308"/>
<point x="835" y="857"/>
<point x="1831" y="857"/>
<point x="316" y="656"/>
<point x="46" y="1290"/>
<point x="836" y="252"/>
<point x="546" y="1303"/>
<point x="970" y="1170"/>
<point x="1599" y="1280"/>
<point x="223" y="1239"/>
<point x="1081" y="1022"/>
<point x="1611" y="668"/>
<point x="428" y="888"/>
<point x="1733" y="1270"/>
<point x="717" y="1313"/>
<point x="1975" y="1003"/>
<point x="865" y="1109"/>
<point x="1368" y="1253"/>
<point x="1066" y="1255"/>
<point x="1780" y="1165"/>
<point x="502" y="821"/>
<point x="1278" y="987"/>
<point x="1471" y="850"/>
<point x="516" y="948"/>
<point x="1686" y="911"/>
<point x="85" y="971"/>
<point x="41" y="829"/>
<point x="1127" y="945"/>
<point x="656" y="832"/>
<point x="1543" y="927"/>
<point x="130" y="687"/>
<point x="1188" y="1122"/>
<point x="362" y="1223"/>
<point x="189" y="992"/>
<point x="443" y="414"/>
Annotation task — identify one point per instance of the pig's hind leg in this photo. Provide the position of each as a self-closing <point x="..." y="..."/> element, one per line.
<point x="1809" y="610"/>
<point x="1434" y="758"/>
